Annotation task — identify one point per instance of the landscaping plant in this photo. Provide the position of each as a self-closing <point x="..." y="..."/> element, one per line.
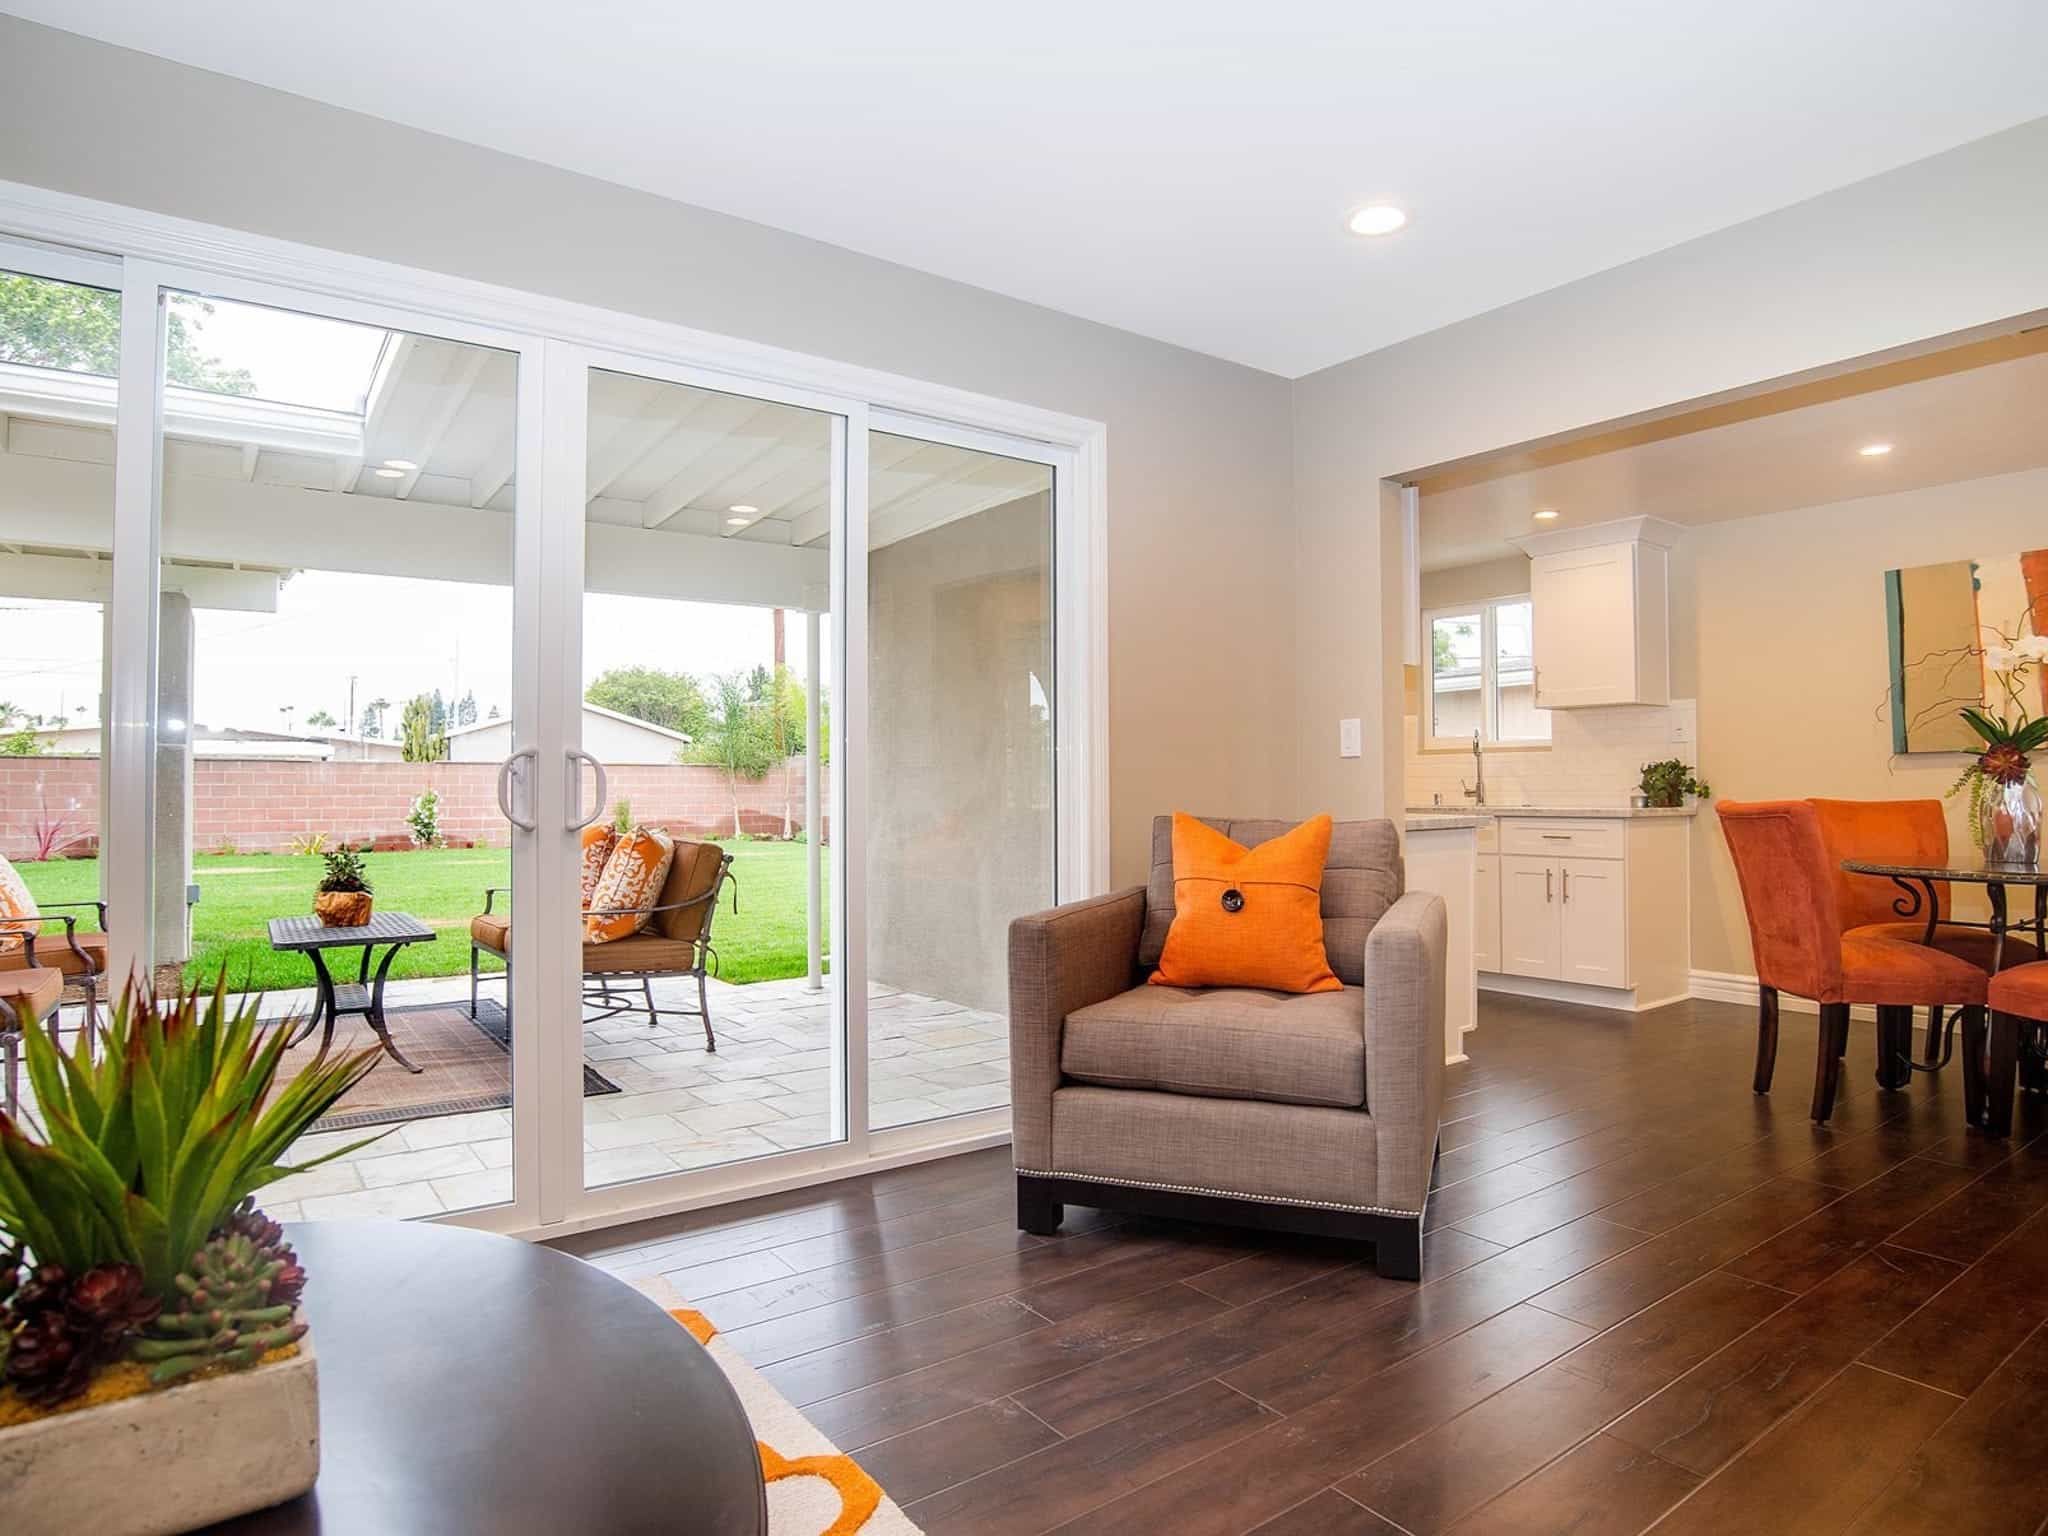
<point x="424" y="819"/>
<point x="127" y="1215"/>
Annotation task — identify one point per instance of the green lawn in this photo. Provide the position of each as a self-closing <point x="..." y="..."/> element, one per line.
<point x="239" y="892"/>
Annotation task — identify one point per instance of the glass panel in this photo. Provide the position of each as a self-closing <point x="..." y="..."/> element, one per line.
<point x="1456" y="704"/>
<point x="705" y="636"/>
<point x="59" y="346"/>
<point x="335" y="672"/>
<point x="960" y="823"/>
<point x="1516" y="717"/>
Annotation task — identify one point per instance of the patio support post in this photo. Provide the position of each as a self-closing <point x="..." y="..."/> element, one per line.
<point x="173" y="814"/>
<point x="814" y="979"/>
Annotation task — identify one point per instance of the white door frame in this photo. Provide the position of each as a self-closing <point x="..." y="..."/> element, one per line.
<point x="154" y="250"/>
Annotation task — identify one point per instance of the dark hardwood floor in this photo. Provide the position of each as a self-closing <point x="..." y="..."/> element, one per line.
<point x="1649" y="1295"/>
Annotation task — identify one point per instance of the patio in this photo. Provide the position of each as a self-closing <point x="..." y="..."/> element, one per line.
<point x="765" y="1090"/>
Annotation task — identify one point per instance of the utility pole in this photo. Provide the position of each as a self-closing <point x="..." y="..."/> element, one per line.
<point x="348" y="721"/>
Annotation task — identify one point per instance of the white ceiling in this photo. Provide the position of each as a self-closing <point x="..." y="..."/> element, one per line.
<point x="1180" y="168"/>
<point x="1991" y="420"/>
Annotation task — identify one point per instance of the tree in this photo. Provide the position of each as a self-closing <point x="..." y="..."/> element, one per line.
<point x="21" y="743"/>
<point x="320" y="720"/>
<point x="735" y="739"/>
<point x="419" y="741"/>
<point x="465" y="712"/>
<point x="66" y="325"/>
<point x="672" y="700"/>
<point x="437" y="714"/>
<point x="783" y="716"/>
<point x="372" y="725"/>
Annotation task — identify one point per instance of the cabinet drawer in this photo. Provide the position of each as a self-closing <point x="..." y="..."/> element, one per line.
<point x="1561" y="839"/>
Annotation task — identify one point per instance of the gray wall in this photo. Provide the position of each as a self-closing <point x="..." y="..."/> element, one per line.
<point x="1199" y="450"/>
<point x="960" y="824"/>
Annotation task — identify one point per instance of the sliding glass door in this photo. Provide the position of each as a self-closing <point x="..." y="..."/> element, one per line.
<point x="644" y="759"/>
<point x="712" y="1028"/>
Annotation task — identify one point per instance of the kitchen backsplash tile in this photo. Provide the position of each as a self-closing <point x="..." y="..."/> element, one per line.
<point x="1596" y="757"/>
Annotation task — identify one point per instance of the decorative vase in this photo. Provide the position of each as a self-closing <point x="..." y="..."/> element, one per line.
<point x="342" y="909"/>
<point x="2009" y="823"/>
<point x="171" y="1459"/>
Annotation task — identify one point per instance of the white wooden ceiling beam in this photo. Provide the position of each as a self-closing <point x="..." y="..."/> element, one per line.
<point x="429" y="441"/>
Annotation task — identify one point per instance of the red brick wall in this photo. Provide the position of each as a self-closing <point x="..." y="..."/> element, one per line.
<point x="258" y="805"/>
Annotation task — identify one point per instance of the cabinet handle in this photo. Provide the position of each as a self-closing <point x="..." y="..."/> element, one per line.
<point x="1567" y="881"/>
<point x="1546" y="885"/>
<point x="1555" y="837"/>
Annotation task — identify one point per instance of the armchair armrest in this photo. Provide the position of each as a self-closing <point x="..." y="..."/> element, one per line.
<point x="98" y="906"/>
<point x="1080" y="953"/>
<point x="492" y="892"/>
<point x="1404" y="1043"/>
<point x="28" y="937"/>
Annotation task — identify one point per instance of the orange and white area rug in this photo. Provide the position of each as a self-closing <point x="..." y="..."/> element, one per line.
<point x="814" y="1488"/>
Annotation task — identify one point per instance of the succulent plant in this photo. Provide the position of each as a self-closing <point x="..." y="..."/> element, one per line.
<point x="345" y="871"/>
<point x="62" y="1329"/>
<point x="229" y="1309"/>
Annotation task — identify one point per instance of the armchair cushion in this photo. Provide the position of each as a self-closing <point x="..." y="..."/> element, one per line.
<point x="1224" y="1042"/>
<point x="630" y="885"/>
<point x="17" y="908"/>
<point x="26" y="996"/>
<point x="1971" y="944"/>
<point x="693" y="874"/>
<point x="1362" y="877"/>
<point x="1247" y="917"/>
<point x="598" y="842"/>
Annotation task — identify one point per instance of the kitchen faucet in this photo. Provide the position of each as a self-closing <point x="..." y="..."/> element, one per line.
<point x="1476" y="793"/>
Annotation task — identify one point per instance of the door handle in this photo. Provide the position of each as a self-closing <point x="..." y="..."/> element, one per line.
<point x="1567" y="883"/>
<point x="505" y="772"/>
<point x="1546" y="885"/>
<point x="577" y="820"/>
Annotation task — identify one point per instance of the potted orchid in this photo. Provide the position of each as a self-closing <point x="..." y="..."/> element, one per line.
<point x="2005" y="803"/>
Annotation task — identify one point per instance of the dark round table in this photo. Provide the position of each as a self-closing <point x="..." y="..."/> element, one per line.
<point x="1917" y="882"/>
<point x="475" y="1383"/>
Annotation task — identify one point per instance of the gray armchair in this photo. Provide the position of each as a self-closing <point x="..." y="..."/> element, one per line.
<point x="1307" y="1113"/>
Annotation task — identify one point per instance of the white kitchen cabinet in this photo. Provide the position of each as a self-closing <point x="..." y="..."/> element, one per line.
<point x="1600" y="605"/>
<point x="1592" y="922"/>
<point x="1486" y="913"/>
<point x="1530" y="936"/>
<point x="1591" y="909"/>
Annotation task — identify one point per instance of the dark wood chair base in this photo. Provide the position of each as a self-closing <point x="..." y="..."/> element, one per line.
<point x="1396" y="1240"/>
<point x="2012" y="1061"/>
<point x="1894" y="1050"/>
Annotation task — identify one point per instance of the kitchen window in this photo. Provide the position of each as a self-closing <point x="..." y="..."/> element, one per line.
<point x="1482" y="676"/>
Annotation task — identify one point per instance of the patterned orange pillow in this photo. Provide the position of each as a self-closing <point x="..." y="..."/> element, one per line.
<point x="598" y="843"/>
<point x="15" y="902"/>
<point x="1247" y="917"/>
<point x="630" y="885"/>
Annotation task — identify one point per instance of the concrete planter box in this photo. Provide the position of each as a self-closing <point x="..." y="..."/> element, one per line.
<point x="166" y="1461"/>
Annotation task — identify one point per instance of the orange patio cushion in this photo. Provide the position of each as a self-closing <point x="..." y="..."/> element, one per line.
<point x="598" y="843"/>
<point x="630" y="885"/>
<point x="1247" y="917"/>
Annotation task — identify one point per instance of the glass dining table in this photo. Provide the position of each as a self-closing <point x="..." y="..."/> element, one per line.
<point x="1916" y="883"/>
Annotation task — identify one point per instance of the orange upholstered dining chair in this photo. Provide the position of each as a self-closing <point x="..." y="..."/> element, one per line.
<point x="1872" y="907"/>
<point x="1789" y="893"/>
<point x="2019" y="1019"/>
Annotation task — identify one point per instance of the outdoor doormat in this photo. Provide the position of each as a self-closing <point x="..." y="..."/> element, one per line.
<point x="466" y="1066"/>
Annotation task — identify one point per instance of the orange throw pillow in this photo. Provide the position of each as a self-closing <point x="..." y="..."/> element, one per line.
<point x="598" y="843"/>
<point x="630" y="885"/>
<point x="1247" y="917"/>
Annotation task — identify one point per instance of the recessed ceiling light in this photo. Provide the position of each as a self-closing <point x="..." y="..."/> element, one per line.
<point x="401" y="465"/>
<point x="1547" y="515"/>
<point x="387" y="473"/>
<point x="1875" y="450"/>
<point x="1377" y="219"/>
<point x="737" y="522"/>
<point x="743" y="508"/>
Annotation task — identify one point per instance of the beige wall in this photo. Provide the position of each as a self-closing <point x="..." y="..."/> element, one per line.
<point x="1939" y="247"/>
<point x="1788" y="635"/>
<point x="1505" y="577"/>
<point x="1199" y="449"/>
<point x="960" y="822"/>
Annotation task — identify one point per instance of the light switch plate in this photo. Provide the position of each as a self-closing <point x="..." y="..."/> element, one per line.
<point x="1350" y="741"/>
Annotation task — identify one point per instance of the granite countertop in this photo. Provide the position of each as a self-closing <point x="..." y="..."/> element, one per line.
<point x="1444" y="821"/>
<point x="1562" y="812"/>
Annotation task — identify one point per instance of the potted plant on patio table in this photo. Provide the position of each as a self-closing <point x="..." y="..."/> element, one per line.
<point x="155" y="1373"/>
<point x="342" y="899"/>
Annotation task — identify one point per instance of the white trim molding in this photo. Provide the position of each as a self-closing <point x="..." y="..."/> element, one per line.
<point x="1736" y="987"/>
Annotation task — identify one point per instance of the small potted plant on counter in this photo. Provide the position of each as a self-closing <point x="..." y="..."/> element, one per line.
<point x="1669" y="784"/>
<point x="155" y="1373"/>
<point x="342" y="899"/>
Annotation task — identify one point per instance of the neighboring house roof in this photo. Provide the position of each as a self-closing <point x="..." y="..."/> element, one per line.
<point x="589" y="709"/>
